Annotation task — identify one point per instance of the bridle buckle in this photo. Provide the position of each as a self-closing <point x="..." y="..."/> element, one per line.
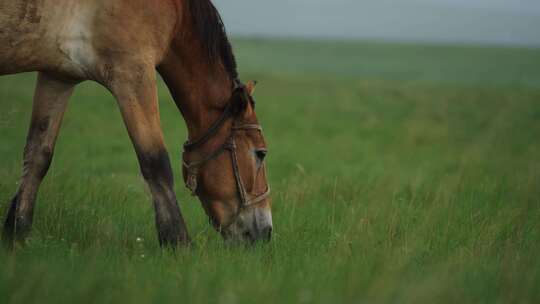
<point x="191" y="183"/>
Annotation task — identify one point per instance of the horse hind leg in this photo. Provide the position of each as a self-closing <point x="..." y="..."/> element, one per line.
<point x="50" y="102"/>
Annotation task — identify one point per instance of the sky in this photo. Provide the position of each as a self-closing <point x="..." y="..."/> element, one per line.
<point x="504" y="22"/>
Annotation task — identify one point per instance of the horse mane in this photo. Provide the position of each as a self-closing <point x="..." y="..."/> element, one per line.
<point x="209" y="28"/>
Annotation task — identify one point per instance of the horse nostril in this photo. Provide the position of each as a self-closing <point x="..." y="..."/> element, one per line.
<point x="266" y="233"/>
<point x="247" y="235"/>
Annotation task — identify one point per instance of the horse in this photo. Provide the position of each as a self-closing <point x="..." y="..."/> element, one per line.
<point x="123" y="45"/>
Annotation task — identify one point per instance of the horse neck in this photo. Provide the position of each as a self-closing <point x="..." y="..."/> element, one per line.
<point x="199" y="89"/>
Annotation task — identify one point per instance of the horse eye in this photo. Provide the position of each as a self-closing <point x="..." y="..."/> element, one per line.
<point x="261" y="154"/>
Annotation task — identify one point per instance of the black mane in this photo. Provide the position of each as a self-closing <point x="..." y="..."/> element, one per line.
<point x="209" y="27"/>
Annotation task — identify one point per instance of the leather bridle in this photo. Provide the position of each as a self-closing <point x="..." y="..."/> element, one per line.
<point x="192" y="168"/>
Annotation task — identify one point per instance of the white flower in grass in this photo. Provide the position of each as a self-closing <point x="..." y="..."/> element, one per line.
<point x="139" y="240"/>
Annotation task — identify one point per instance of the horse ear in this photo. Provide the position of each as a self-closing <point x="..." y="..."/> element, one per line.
<point x="250" y="87"/>
<point x="239" y="102"/>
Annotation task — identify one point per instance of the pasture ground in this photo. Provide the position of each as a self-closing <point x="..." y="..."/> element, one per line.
<point x="401" y="174"/>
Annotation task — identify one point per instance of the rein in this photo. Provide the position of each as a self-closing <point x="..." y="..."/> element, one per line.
<point x="192" y="168"/>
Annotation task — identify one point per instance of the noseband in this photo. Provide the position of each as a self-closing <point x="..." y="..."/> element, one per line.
<point x="192" y="168"/>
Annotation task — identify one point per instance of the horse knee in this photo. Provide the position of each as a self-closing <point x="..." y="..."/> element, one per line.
<point x="37" y="161"/>
<point x="156" y="167"/>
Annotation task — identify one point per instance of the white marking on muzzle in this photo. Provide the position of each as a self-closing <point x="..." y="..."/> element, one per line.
<point x="263" y="218"/>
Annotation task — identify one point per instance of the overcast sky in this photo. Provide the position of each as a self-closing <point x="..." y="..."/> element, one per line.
<point x="477" y="21"/>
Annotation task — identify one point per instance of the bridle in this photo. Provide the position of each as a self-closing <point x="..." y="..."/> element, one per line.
<point x="192" y="168"/>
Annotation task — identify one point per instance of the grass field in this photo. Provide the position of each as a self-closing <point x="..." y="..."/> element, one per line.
<point x="401" y="174"/>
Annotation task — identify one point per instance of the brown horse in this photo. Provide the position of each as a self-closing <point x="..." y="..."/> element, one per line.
<point x="120" y="44"/>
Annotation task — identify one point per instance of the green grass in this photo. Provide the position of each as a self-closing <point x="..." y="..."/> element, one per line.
<point x="401" y="174"/>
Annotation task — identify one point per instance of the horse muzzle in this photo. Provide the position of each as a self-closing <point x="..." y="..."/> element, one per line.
<point x="251" y="225"/>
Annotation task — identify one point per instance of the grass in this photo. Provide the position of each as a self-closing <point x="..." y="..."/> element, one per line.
<point x="401" y="174"/>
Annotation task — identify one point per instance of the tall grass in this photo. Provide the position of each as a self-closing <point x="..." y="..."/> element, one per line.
<point x="406" y="174"/>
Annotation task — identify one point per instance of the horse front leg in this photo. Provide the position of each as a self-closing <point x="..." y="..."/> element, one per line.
<point x="50" y="101"/>
<point x="137" y="97"/>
